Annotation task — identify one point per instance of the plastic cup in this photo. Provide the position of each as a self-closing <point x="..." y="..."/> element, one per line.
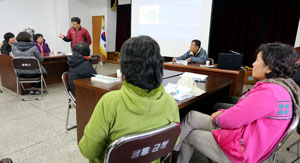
<point x="119" y="74"/>
<point x="207" y="63"/>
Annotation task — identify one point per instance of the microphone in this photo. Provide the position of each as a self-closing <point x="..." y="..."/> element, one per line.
<point x="234" y="52"/>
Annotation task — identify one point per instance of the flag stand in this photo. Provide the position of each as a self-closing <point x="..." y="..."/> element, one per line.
<point x="101" y="59"/>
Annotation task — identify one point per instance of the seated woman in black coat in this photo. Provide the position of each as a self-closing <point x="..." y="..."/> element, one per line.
<point x="79" y="64"/>
<point x="9" y="39"/>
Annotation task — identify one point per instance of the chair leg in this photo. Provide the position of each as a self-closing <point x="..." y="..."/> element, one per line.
<point x="17" y="85"/>
<point x="42" y="90"/>
<point x="46" y="88"/>
<point x="69" y="107"/>
<point x="0" y="91"/>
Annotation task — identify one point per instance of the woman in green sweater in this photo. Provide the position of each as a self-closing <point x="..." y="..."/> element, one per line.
<point x="142" y="103"/>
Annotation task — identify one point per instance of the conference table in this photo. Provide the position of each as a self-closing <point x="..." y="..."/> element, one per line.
<point x="88" y="93"/>
<point x="55" y="65"/>
<point x="237" y="75"/>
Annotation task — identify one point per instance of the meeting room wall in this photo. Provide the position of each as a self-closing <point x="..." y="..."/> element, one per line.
<point x="297" y="42"/>
<point x="47" y="17"/>
<point x="86" y="9"/>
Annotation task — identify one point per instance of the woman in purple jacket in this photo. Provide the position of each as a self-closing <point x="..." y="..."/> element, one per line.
<point x="41" y="44"/>
<point x="248" y="131"/>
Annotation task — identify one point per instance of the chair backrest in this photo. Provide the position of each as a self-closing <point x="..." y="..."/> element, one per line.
<point x="292" y="127"/>
<point x="95" y="59"/>
<point x="65" y="80"/>
<point x="143" y="147"/>
<point x="21" y="63"/>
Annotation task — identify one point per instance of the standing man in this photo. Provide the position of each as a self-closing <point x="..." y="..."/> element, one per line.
<point x="76" y="33"/>
<point x="195" y="54"/>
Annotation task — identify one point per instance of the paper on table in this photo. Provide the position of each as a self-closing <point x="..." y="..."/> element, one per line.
<point x="69" y="53"/>
<point x="208" y="66"/>
<point x="177" y="91"/>
<point x="197" y="77"/>
<point x="182" y="62"/>
<point x="105" y="79"/>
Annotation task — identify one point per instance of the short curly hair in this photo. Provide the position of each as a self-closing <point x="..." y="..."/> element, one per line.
<point x="142" y="63"/>
<point x="281" y="59"/>
<point x="23" y="37"/>
<point x="36" y="36"/>
<point x="83" y="48"/>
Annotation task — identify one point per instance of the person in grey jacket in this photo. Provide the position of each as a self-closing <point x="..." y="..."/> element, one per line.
<point x="25" y="48"/>
<point x="195" y="54"/>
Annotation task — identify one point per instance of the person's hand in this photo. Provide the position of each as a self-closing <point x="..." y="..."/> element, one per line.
<point x="174" y="59"/>
<point x="61" y="36"/>
<point x="215" y="114"/>
<point x="188" y="59"/>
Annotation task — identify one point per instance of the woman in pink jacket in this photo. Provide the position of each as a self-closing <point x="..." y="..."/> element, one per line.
<point x="248" y="131"/>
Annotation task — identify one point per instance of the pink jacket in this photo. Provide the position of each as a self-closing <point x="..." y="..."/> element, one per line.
<point x="249" y="130"/>
<point x="82" y="35"/>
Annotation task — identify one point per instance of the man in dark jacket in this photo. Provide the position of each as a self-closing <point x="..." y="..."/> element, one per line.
<point x="9" y="39"/>
<point x="79" y="64"/>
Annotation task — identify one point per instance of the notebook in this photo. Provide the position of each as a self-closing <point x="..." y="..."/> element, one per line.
<point x="230" y="60"/>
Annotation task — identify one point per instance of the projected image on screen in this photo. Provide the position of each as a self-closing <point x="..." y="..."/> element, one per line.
<point x="149" y="14"/>
<point x="172" y="23"/>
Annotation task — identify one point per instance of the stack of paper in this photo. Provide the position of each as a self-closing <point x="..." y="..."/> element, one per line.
<point x="105" y="79"/>
<point x="196" y="77"/>
<point x="178" y="92"/>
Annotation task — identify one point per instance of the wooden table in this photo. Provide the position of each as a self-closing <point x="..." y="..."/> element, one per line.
<point x="237" y="75"/>
<point x="55" y="65"/>
<point x="89" y="92"/>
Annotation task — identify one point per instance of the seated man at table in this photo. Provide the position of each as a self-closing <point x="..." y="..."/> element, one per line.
<point x="142" y="103"/>
<point x="79" y="64"/>
<point x="195" y="54"/>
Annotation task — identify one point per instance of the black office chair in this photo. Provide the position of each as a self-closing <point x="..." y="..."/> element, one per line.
<point x="71" y="98"/>
<point x="31" y="63"/>
<point x="143" y="147"/>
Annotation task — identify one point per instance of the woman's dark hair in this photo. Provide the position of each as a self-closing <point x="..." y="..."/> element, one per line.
<point x="8" y="35"/>
<point x="197" y="42"/>
<point x="141" y="62"/>
<point x="83" y="48"/>
<point x="75" y="19"/>
<point x="281" y="59"/>
<point x="23" y="37"/>
<point x="36" y="36"/>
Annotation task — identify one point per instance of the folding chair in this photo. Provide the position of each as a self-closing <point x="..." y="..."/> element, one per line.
<point x="143" y="147"/>
<point x="71" y="98"/>
<point x="95" y="60"/>
<point x="31" y="63"/>
<point x="293" y="126"/>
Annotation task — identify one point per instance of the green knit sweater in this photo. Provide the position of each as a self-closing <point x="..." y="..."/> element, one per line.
<point x="126" y="111"/>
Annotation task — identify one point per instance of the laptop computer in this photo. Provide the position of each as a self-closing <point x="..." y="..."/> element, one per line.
<point x="230" y="60"/>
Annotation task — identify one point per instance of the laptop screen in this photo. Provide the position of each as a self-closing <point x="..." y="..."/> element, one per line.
<point x="230" y="61"/>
